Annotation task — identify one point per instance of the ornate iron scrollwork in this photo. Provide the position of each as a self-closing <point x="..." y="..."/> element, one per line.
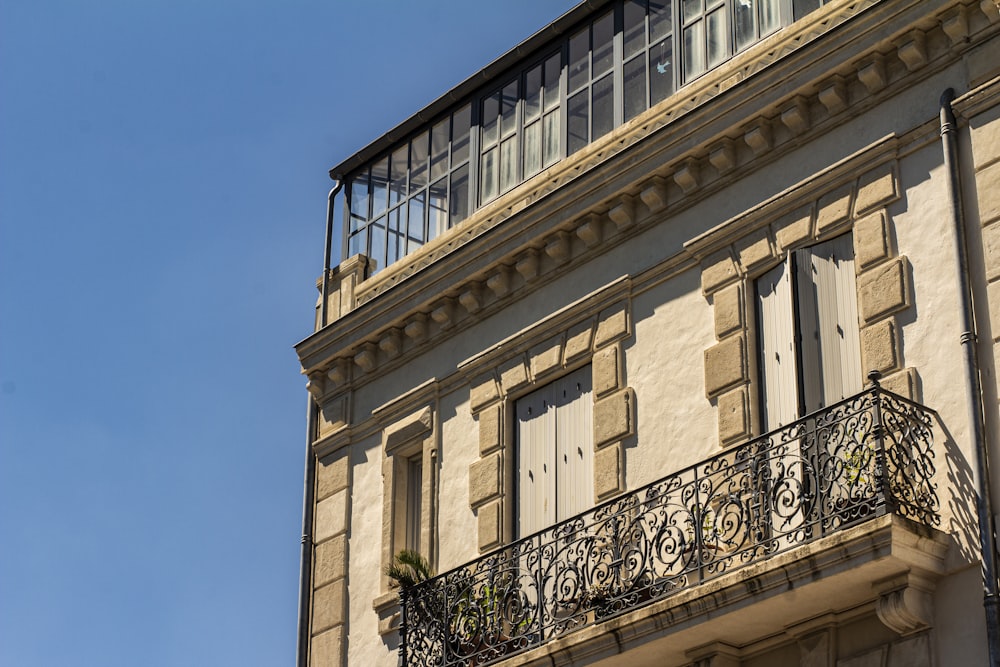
<point x="867" y="455"/>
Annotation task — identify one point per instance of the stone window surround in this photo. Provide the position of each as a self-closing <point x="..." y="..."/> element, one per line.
<point x="409" y="436"/>
<point x="857" y="206"/>
<point x="589" y="331"/>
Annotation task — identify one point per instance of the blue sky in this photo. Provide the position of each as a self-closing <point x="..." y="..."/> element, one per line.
<point x="163" y="176"/>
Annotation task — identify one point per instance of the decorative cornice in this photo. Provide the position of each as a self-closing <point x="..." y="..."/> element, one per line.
<point x="552" y="228"/>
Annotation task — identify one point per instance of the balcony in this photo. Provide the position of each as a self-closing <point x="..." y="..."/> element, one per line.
<point x="821" y="485"/>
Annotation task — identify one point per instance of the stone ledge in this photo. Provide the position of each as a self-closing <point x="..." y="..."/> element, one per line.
<point x="834" y="573"/>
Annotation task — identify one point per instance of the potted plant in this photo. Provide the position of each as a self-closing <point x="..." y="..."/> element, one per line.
<point x="407" y="569"/>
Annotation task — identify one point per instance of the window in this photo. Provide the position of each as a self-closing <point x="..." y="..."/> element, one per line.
<point x="808" y="331"/>
<point x="555" y="452"/>
<point x="412" y="195"/>
<point x="606" y="71"/>
<point x="414" y="501"/>
<point x="409" y="487"/>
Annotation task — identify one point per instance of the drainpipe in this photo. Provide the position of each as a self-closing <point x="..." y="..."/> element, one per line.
<point x="309" y="481"/>
<point x="974" y="390"/>
<point x="305" y="565"/>
<point x="326" y="251"/>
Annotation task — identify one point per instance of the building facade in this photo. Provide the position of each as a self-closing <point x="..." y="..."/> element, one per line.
<point x="669" y="339"/>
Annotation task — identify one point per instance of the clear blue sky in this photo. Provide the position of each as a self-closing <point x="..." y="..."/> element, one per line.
<point x="162" y="191"/>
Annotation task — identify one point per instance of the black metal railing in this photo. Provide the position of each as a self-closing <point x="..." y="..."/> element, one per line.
<point x="863" y="457"/>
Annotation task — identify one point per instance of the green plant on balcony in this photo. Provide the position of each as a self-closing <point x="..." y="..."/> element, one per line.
<point x="407" y="569"/>
<point x="702" y="517"/>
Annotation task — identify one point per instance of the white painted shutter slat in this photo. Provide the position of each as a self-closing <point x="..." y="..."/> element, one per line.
<point x="777" y="346"/>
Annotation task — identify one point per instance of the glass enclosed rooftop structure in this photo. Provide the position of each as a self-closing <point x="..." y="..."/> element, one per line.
<point x="595" y="68"/>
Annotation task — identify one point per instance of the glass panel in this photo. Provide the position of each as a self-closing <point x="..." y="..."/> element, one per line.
<point x="508" y="164"/>
<point x="397" y="184"/>
<point x="439" y="149"/>
<point x="459" y="199"/>
<point x="380" y="186"/>
<point x="604" y="44"/>
<point x="415" y="224"/>
<point x="358" y="193"/>
<point x="577" y="122"/>
<point x="491" y="109"/>
<point x="661" y="71"/>
<point x="802" y="7"/>
<point x="437" y="210"/>
<point x="692" y="9"/>
<point x="579" y="52"/>
<point x="553" y="67"/>
<point x="508" y="109"/>
<point x="769" y="18"/>
<point x="376" y="232"/>
<point x="694" y="50"/>
<point x="743" y="20"/>
<point x="717" y="48"/>
<point x="603" y="110"/>
<point x="551" y="138"/>
<point x="532" y="148"/>
<point x="635" y="87"/>
<point x="635" y="26"/>
<point x="461" y="121"/>
<point x="358" y="243"/>
<point x="532" y="93"/>
<point x="488" y="176"/>
<point x="394" y="236"/>
<point x="659" y="19"/>
<point x="418" y="163"/>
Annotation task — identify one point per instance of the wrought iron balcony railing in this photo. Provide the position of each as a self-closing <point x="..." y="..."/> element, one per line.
<point x="863" y="457"/>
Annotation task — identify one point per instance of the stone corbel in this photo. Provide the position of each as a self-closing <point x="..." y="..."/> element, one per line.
<point x="833" y="94"/>
<point x="499" y="282"/>
<point x="557" y="247"/>
<point x="338" y="373"/>
<point x="871" y="72"/>
<point x="911" y="50"/>
<point x="589" y="230"/>
<point x="758" y="136"/>
<point x="391" y="343"/>
<point x="905" y="603"/>
<point x="955" y="24"/>
<point x="623" y="212"/>
<point x="528" y="265"/>
<point x="654" y="193"/>
<point x="416" y="328"/>
<point x="991" y="8"/>
<point x="315" y="385"/>
<point x="686" y="175"/>
<point x="444" y="313"/>
<point x="366" y="357"/>
<point x="723" y="156"/>
<point x="795" y="116"/>
<point x="471" y="299"/>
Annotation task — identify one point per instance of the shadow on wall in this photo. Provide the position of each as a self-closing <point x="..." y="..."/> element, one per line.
<point x="962" y="498"/>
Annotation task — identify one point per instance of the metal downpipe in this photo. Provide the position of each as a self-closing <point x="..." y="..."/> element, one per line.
<point x="325" y="287"/>
<point x="305" y="564"/>
<point x="974" y="390"/>
<point x="309" y="474"/>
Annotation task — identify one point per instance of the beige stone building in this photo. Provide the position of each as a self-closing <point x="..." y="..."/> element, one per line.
<point x="669" y="338"/>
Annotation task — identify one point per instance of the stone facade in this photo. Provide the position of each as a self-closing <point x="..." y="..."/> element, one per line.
<point x="638" y="257"/>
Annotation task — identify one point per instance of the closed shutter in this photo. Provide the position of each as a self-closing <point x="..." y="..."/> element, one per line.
<point x="828" y="317"/>
<point x="779" y="375"/>
<point x="574" y="444"/>
<point x="555" y="455"/>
